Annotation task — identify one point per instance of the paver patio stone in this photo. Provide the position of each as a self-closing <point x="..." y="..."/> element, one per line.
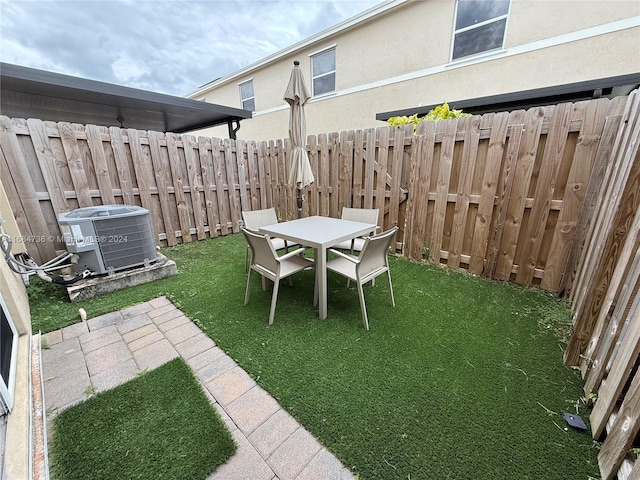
<point x="107" y="357"/>
<point x="53" y="338"/>
<point x="105" y="320"/>
<point x="252" y="409"/>
<point x="222" y="412"/>
<point x="67" y="389"/>
<point x="158" y="312"/>
<point x="216" y="368"/>
<point x="145" y="341"/>
<point x="116" y="375"/>
<point x="168" y="313"/>
<point x="99" y="338"/>
<point x="172" y="323"/>
<point x="136" y="310"/>
<point x="290" y="458"/>
<point x="74" y="330"/>
<point x="205" y="358"/>
<point x="325" y="466"/>
<point x="244" y="465"/>
<point x="273" y="432"/>
<point x="154" y="355"/>
<point x="158" y="302"/>
<point x="67" y="362"/>
<point x="230" y="385"/>
<point x="139" y="332"/>
<point x="194" y="346"/>
<point x="133" y="323"/>
<point x="62" y="348"/>
<point x="182" y="332"/>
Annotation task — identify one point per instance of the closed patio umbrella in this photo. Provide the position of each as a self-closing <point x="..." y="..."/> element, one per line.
<point x="296" y="95"/>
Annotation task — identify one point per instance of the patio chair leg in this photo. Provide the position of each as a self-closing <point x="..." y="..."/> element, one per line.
<point x="246" y="293"/>
<point x="274" y="299"/>
<point x="393" y="302"/>
<point x="363" y="307"/>
<point x="246" y="258"/>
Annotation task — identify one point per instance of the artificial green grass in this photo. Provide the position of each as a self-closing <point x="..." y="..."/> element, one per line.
<point x="458" y="381"/>
<point x="159" y="425"/>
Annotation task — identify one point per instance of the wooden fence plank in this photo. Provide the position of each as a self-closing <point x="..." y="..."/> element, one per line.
<point x="521" y="179"/>
<point x="219" y="176"/>
<point x="345" y="175"/>
<point x="469" y="155"/>
<point x="177" y="175"/>
<point x="591" y="254"/>
<point x="235" y="206"/>
<point x="162" y="183"/>
<point x="358" y="159"/>
<point x="76" y="167"/>
<point x="442" y="187"/>
<point x="29" y="214"/>
<point x="513" y="147"/>
<point x="569" y="229"/>
<point x="615" y="217"/>
<point x="585" y="227"/>
<point x="208" y="183"/>
<point x="334" y="174"/>
<point x="370" y="166"/>
<point x="194" y="178"/>
<point x="414" y="239"/>
<point x="380" y="187"/>
<point x="94" y="140"/>
<point x="495" y="152"/>
<point x="545" y="186"/>
<point x="396" y="175"/>
<point x="122" y="165"/>
<point x="253" y="175"/>
<point x="621" y="368"/>
<point x="323" y="176"/>
<point x="52" y="168"/>
<point x="601" y="346"/>
<point x="620" y="440"/>
<point x="264" y="170"/>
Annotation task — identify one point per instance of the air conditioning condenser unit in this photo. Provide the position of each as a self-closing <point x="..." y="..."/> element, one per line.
<point x="109" y="238"/>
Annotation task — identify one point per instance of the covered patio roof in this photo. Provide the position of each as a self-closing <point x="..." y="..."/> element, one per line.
<point x="571" y="92"/>
<point x="30" y="93"/>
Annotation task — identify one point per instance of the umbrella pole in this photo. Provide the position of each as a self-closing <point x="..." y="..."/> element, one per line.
<point x="299" y="201"/>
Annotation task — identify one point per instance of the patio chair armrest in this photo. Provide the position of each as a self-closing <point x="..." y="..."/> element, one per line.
<point x="297" y="251"/>
<point x="351" y="258"/>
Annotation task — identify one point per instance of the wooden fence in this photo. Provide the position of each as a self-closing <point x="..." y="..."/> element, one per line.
<point x="546" y="196"/>
<point x="498" y="194"/>
<point x="606" y="338"/>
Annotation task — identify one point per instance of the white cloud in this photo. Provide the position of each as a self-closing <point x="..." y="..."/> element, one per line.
<point x="164" y="46"/>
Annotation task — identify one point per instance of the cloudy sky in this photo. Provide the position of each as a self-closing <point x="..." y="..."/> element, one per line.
<point x="163" y="46"/>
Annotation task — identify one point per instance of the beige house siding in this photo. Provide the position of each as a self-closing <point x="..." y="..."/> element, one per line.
<point x="17" y="447"/>
<point x="400" y="58"/>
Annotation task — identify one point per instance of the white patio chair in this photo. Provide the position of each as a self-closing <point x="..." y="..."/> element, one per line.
<point x="371" y="263"/>
<point x="364" y="215"/>
<point x="253" y="220"/>
<point x="267" y="263"/>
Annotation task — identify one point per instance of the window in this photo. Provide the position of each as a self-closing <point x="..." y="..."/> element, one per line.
<point x="323" y="72"/>
<point x="246" y="96"/>
<point x="480" y="26"/>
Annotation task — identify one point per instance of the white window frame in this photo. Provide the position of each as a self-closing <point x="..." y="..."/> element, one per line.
<point x="253" y="97"/>
<point x="7" y="389"/>
<point x="504" y="17"/>
<point x="313" y="77"/>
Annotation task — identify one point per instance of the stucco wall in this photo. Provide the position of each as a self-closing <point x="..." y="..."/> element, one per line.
<point x="16" y="460"/>
<point x="401" y="59"/>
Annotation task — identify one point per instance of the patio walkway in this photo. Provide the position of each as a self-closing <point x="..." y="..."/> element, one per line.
<point x="106" y="351"/>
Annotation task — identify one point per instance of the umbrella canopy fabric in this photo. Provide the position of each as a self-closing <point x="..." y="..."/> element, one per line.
<point x="296" y="95"/>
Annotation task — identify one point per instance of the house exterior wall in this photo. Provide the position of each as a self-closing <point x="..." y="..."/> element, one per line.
<point x="17" y="447"/>
<point x="400" y="58"/>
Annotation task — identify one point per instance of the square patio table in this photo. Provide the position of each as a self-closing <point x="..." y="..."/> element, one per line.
<point x="320" y="233"/>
